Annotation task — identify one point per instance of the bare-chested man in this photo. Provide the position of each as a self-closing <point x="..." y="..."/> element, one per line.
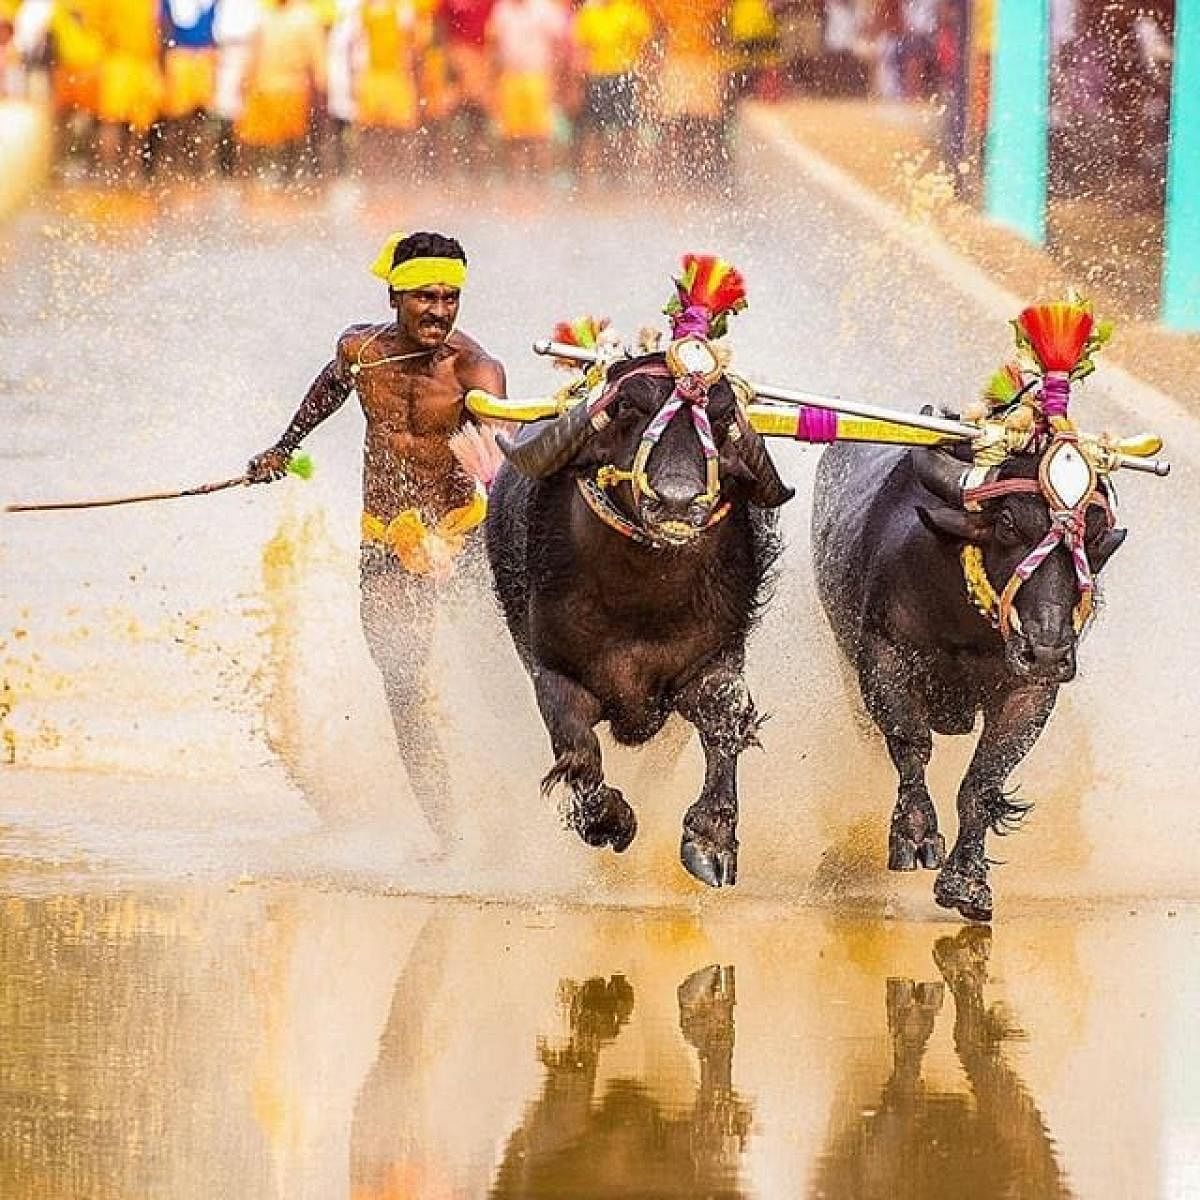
<point x="421" y="510"/>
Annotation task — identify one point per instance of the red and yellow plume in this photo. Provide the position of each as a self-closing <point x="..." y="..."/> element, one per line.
<point x="582" y="331"/>
<point x="708" y="284"/>
<point x="1057" y="334"/>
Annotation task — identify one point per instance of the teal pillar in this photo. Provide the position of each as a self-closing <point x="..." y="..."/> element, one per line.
<point x="1181" y="232"/>
<point x="1017" y="147"/>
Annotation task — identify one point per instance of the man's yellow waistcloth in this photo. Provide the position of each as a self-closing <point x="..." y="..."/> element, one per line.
<point x="420" y="549"/>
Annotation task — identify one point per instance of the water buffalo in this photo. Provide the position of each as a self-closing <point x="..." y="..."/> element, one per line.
<point x="631" y="548"/>
<point x="889" y="530"/>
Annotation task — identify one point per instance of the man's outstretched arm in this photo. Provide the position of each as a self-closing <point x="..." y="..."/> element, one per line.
<point x="325" y="396"/>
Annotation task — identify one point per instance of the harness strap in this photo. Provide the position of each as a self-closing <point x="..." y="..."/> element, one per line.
<point x="609" y="394"/>
<point x="599" y="503"/>
<point x="1067" y="527"/>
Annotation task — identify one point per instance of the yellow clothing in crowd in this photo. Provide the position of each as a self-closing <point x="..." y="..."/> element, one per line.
<point x="287" y="67"/>
<point x="751" y="21"/>
<point x="79" y="50"/>
<point x="420" y="549"/>
<point x="387" y="91"/>
<point x="191" y="80"/>
<point x="131" y="84"/>
<point x="436" y="87"/>
<point x="612" y="35"/>
<point x="691" y="79"/>
<point x="525" y="100"/>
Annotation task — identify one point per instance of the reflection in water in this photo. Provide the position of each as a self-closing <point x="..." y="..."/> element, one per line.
<point x="100" y="1034"/>
<point x="629" y="1143"/>
<point x="293" y="1044"/>
<point x="916" y="1142"/>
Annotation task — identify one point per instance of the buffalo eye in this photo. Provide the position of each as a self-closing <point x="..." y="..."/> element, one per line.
<point x="1006" y="528"/>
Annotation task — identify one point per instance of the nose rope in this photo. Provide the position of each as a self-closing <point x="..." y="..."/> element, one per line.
<point x="692" y="391"/>
<point x="1066" y="527"/>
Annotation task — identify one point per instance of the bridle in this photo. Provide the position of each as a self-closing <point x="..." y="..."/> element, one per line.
<point x="1067" y="528"/>
<point x="690" y="393"/>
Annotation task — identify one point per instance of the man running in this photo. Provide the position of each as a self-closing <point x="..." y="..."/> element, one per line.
<point x="421" y="510"/>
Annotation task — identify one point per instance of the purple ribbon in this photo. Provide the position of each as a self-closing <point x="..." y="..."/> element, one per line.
<point x="693" y="321"/>
<point x="816" y="425"/>
<point x="1056" y="393"/>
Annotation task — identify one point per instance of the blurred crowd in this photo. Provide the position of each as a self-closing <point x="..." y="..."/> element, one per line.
<point x="312" y="86"/>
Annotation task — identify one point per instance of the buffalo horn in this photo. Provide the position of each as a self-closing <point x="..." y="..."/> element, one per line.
<point x="551" y="448"/>
<point x="940" y="473"/>
<point x="769" y="489"/>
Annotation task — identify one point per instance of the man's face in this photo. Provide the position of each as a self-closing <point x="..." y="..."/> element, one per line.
<point x="426" y="315"/>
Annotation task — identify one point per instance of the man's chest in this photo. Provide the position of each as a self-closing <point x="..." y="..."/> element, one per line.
<point x="416" y="403"/>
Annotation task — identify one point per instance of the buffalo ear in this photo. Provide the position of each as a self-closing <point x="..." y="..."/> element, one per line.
<point x="1109" y="544"/>
<point x="954" y="524"/>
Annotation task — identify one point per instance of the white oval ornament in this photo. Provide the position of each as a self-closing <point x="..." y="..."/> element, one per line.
<point x="1069" y="476"/>
<point x="693" y="356"/>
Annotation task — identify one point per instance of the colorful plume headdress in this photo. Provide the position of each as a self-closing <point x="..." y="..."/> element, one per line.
<point x="1055" y="334"/>
<point x="582" y="331"/>
<point x="1056" y="342"/>
<point x="706" y="293"/>
<point x="1060" y="339"/>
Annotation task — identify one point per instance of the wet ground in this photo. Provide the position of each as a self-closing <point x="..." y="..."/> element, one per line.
<point x="227" y="964"/>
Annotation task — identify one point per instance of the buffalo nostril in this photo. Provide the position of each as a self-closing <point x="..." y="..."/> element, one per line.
<point x="1056" y="660"/>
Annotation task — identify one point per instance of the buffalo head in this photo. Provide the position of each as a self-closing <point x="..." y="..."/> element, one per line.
<point x="1033" y="583"/>
<point x="657" y="476"/>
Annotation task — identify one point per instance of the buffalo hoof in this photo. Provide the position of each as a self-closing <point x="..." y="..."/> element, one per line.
<point x="906" y="855"/>
<point x="604" y="818"/>
<point x="966" y="891"/>
<point x="711" y="864"/>
<point x="931" y="853"/>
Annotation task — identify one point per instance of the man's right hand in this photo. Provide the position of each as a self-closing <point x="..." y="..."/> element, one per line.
<point x="268" y="466"/>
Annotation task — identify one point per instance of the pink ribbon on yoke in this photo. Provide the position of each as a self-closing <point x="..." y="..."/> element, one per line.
<point x="816" y="425"/>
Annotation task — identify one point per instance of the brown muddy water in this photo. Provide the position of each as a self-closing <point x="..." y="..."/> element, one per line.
<point x="274" y="1042"/>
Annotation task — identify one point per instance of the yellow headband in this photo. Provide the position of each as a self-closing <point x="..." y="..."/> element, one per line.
<point x="417" y="272"/>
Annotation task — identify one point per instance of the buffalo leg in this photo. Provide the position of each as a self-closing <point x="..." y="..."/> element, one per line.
<point x="719" y="705"/>
<point x="891" y="700"/>
<point x="1011" y="725"/>
<point x="598" y="813"/>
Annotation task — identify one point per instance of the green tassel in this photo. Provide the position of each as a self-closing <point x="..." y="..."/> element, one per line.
<point x="300" y="465"/>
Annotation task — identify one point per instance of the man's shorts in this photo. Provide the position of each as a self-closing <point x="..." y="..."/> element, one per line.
<point x="609" y="102"/>
<point x="526" y="108"/>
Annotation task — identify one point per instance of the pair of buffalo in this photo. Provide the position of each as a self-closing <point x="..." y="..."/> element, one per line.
<point x="627" y="604"/>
